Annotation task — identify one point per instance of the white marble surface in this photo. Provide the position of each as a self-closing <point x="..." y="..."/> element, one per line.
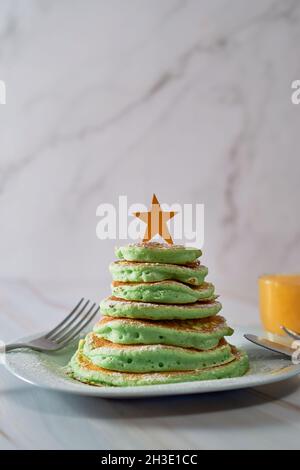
<point x="187" y="98"/>
<point x="264" y="417"/>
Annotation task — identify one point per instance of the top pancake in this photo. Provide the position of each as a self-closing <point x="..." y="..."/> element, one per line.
<point x="153" y="252"/>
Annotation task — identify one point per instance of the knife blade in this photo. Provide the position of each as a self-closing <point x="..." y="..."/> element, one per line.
<point x="271" y="345"/>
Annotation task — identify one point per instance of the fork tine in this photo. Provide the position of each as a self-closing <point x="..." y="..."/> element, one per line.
<point x="72" y="326"/>
<point x="80" y="327"/>
<point x="76" y="333"/>
<point x="51" y="332"/>
<point x="66" y="324"/>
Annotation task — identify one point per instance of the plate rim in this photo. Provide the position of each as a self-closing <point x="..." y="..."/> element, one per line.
<point x="142" y="391"/>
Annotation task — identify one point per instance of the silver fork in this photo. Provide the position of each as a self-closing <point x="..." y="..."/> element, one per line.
<point x="60" y="336"/>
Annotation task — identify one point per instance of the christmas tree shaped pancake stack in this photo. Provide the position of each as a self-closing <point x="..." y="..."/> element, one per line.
<point x="161" y="324"/>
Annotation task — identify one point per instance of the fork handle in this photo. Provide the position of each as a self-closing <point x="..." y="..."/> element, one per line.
<point x="13" y="346"/>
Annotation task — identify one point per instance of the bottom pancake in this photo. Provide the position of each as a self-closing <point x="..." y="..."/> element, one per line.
<point x="84" y="370"/>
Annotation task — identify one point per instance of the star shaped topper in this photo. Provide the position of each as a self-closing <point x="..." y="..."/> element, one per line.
<point x="156" y="221"/>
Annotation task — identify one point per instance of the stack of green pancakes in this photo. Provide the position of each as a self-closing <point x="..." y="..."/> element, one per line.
<point x="160" y="325"/>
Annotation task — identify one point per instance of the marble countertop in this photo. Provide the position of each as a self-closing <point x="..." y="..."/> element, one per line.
<point x="264" y="417"/>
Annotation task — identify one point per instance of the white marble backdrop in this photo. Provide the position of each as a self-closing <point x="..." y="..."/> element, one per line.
<point x="187" y="98"/>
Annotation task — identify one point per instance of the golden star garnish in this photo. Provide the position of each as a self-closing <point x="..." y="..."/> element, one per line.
<point x="156" y="221"/>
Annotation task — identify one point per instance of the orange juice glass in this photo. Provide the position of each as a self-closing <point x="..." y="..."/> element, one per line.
<point x="279" y="302"/>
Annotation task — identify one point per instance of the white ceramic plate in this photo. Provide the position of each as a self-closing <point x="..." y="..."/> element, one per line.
<point x="46" y="371"/>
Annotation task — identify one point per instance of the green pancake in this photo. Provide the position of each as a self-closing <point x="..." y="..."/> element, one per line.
<point x="126" y="271"/>
<point x="198" y="334"/>
<point x="113" y="307"/>
<point x="82" y="369"/>
<point x="163" y="292"/>
<point x="153" y="252"/>
<point x="152" y="358"/>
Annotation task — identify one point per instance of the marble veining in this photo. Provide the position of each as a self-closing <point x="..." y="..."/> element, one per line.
<point x="121" y="98"/>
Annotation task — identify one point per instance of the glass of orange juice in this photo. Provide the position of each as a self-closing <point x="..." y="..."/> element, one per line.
<point x="279" y="302"/>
